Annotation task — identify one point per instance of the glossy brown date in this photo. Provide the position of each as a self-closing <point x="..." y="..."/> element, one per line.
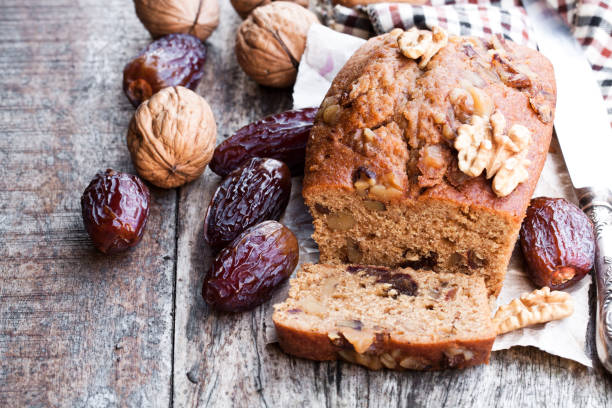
<point x="173" y="60"/>
<point x="282" y="136"/>
<point x="558" y="242"/>
<point x="115" y="208"/>
<point x="255" y="192"/>
<point x="245" y="273"/>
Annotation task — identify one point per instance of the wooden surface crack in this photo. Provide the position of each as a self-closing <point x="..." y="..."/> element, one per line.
<point x="258" y="383"/>
<point x="177" y="224"/>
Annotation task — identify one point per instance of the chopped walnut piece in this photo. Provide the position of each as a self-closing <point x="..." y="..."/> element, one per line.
<point x="360" y="340"/>
<point x="369" y="135"/>
<point x="387" y="189"/>
<point x="483" y="104"/>
<point x="331" y="113"/>
<point x="474" y="145"/>
<point x="541" y="105"/>
<point x="342" y="221"/>
<point x="388" y="361"/>
<point x="433" y="162"/>
<point x="313" y="306"/>
<point x="484" y="144"/>
<point x="539" y="306"/>
<point x="423" y="44"/>
<point x="390" y="180"/>
<point x="512" y="173"/>
<point x="510" y="74"/>
<point x="462" y="103"/>
<point x="365" y="178"/>
<point x="385" y="193"/>
<point x="464" y="353"/>
<point x="370" y="361"/>
<point x="413" y="363"/>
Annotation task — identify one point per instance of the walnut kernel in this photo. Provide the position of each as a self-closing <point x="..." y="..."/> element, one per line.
<point x="484" y="144"/>
<point x="539" y="306"/>
<point x="341" y="221"/>
<point x="369" y="134"/>
<point x="422" y="44"/>
<point x="331" y="113"/>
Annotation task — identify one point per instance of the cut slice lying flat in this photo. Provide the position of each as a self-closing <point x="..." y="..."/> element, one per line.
<point x="381" y="317"/>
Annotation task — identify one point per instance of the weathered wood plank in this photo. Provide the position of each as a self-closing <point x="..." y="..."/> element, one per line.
<point x="81" y="329"/>
<point x="76" y="328"/>
<point x="200" y="338"/>
<point x="222" y="359"/>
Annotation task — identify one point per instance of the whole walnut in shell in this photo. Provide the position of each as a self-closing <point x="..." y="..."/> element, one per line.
<point x="244" y="7"/>
<point x="271" y="41"/>
<point x="172" y="137"/>
<point x="195" y="17"/>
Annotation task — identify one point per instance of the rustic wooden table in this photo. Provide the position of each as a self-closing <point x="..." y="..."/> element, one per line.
<point x="81" y="329"/>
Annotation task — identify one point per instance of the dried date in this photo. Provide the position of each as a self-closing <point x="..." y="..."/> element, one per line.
<point x="282" y="136"/>
<point x="245" y="273"/>
<point x="558" y="242"/>
<point x="173" y="60"/>
<point x="255" y="192"/>
<point x="115" y="208"/>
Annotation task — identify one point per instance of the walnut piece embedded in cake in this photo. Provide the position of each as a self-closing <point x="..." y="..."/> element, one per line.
<point x="423" y="44"/>
<point x="483" y="144"/>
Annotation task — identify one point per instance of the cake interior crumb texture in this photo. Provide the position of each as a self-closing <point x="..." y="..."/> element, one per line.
<point x="424" y="319"/>
<point x="430" y="234"/>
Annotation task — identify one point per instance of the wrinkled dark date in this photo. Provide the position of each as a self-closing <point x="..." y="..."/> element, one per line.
<point x="245" y="273"/>
<point x="282" y="136"/>
<point x="115" y="208"/>
<point x="173" y="60"/>
<point x="558" y="242"/>
<point x="257" y="191"/>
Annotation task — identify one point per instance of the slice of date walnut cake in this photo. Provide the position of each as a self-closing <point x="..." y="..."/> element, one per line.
<point x="426" y="151"/>
<point x="382" y="317"/>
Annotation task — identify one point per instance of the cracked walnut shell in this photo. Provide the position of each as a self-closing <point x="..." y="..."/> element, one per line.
<point x="271" y="41"/>
<point x="172" y="137"/>
<point x="244" y="7"/>
<point x="195" y="17"/>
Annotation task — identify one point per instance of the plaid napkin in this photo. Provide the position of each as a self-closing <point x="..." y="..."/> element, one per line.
<point x="591" y="22"/>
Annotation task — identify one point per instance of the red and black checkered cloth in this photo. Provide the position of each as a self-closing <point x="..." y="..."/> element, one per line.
<point x="591" y="22"/>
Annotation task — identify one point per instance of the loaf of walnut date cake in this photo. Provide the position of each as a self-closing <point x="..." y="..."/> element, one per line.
<point x="426" y="151"/>
<point x="382" y="317"/>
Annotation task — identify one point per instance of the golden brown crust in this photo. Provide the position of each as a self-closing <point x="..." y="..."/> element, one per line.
<point x="317" y="346"/>
<point x="380" y="89"/>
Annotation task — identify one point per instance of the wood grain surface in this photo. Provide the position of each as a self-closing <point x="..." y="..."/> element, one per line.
<point x="79" y="329"/>
<point x="76" y="328"/>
